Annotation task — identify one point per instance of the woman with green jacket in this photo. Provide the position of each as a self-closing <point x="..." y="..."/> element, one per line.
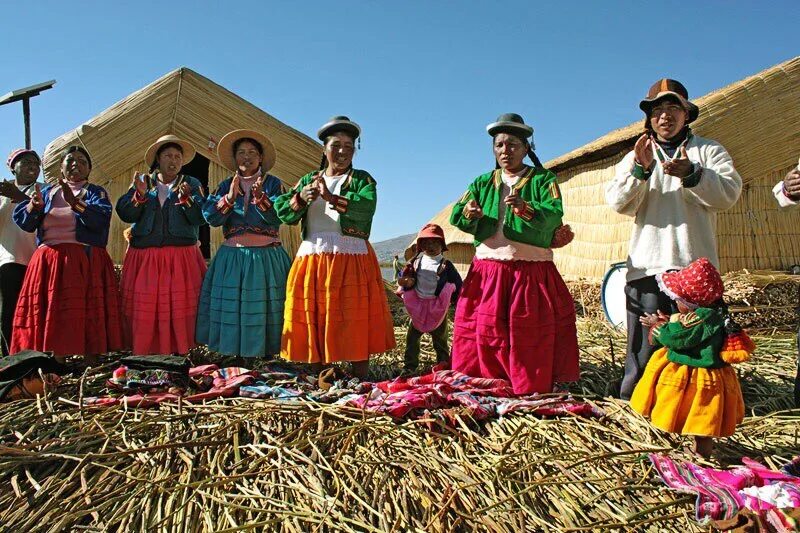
<point x="515" y="318"/>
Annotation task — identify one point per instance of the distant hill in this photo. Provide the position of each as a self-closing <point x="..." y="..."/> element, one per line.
<point x="386" y="250"/>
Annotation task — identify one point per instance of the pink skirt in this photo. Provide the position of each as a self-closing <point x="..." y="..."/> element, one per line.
<point x="515" y="320"/>
<point x="69" y="303"/>
<point x="160" y="291"/>
<point x="427" y="314"/>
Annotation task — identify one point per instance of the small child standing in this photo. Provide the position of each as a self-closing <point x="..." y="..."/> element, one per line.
<point x="689" y="386"/>
<point x="428" y="285"/>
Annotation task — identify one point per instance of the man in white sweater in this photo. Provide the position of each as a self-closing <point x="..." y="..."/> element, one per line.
<point x="673" y="183"/>
<point x="787" y="192"/>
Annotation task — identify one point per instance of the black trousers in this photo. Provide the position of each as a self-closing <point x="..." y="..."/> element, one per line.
<point x="439" y="338"/>
<point x="11" y="276"/>
<point x="641" y="296"/>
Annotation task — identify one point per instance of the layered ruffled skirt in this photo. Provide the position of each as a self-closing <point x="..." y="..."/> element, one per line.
<point x="689" y="400"/>
<point x="242" y="299"/>
<point x="336" y="309"/>
<point x="160" y="291"/>
<point x="69" y="303"/>
<point x="515" y="320"/>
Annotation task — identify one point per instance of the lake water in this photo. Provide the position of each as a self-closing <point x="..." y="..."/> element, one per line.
<point x="386" y="272"/>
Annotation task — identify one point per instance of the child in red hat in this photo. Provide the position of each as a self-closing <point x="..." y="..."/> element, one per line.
<point x="428" y="285"/>
<point x="689" y="386"/>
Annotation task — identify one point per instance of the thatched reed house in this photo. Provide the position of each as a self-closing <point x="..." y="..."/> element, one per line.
<point x="757" y="120"/>
<point x="195" y="108"/>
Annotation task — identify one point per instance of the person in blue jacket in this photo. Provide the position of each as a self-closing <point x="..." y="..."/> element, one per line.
<point x="242" y="299"/>
<point x="69" y="303"/>
<point x="164" y="268"/>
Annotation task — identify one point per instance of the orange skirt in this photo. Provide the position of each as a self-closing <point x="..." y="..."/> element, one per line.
<point x="336" y="309"/>
<point x="688" y="400"/>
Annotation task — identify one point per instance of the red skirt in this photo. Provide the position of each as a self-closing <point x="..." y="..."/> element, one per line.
<point x="69" y="303"/>
<point x="515" y="320"/>
<point x="160" y="291"/>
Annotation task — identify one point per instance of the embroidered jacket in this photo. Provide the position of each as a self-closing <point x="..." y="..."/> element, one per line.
<point x="92" y="214"/>
<point x="693" y="339"/>
<point x="355" y="204"/>
<point x="260" y="218"/>
<point x="534" y="224"/>
<point x="173" y="224"/>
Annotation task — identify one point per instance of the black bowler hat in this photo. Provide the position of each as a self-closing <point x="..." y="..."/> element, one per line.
<point x="510" y="123"/>
<point x="339" y="123"/>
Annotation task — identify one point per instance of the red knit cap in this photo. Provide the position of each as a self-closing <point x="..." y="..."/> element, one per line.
<point x="432" y="231"/>
<point x="699" y="283"/>
<point x="19" y="152"/>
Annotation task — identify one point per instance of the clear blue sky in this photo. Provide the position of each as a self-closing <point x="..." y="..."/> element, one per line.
<point x="423" y="78"/>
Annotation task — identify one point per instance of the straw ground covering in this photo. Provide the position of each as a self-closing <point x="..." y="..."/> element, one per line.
<point x="234" y="465"/>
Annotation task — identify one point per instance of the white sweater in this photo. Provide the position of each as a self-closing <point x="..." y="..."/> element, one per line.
<point x="674" y="225"/>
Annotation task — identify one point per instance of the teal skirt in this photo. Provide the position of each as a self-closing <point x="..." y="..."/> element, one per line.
<point x="241" y="301"/>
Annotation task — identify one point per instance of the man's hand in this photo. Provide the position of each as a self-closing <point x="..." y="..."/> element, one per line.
<point x="643" y="150"/>
<point x="680" y="167"/>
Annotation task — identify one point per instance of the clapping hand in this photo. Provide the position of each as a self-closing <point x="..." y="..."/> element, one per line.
<point x="140" y="183"/>
<point x="257" y="191"/>
<point x="310" y="192"/>
<point x="791" y="183"/>
<point x="680" y="166"/>
<point x="643" y="150"/>
<point x="184" y="192"/>
<point x="9" y="189"/>
<point x="69" y="196"/>
<point x="653" y="319"/>
<point x="324" y="192"/>
<point x="473" y="210"/>
<point x="37" y="202"/>
<point x="514" y="201"/>
<point x="233" y="193"/>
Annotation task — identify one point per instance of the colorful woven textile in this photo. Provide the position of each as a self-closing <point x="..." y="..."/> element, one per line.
<point x="721" y="494"/>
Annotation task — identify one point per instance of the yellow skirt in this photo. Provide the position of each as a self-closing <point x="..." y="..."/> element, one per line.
<point x="692" y="401"/>
<point x="336" y="309"/>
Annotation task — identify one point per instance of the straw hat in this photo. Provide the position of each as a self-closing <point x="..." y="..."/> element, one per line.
<point x="339" y="123"/>
<point x="187" y="148"/>
<point x="225" y="149"/>
<point x="510" y="123"/>
<point x="667" y="87"/>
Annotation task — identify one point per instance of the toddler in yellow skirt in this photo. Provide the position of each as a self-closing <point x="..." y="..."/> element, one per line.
<point x="689" y="386"/>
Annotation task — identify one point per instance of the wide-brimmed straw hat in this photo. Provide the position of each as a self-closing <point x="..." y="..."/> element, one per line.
<point x="339" y="123"/>
<point x="186" y="147"/>
<point x="510" y="123"/>
<point x="666" y="87"/>
<point x="226" y="155"/>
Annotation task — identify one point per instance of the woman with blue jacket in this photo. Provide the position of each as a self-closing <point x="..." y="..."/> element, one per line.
<point x="69" y="303"/>
<point x="241" y="303"/>
<point x="163" y="268"/>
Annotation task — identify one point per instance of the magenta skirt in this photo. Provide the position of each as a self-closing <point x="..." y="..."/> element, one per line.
<point x="160" y="291"/>
<point x="515" y="320"/>
<point x="427" y="314"/>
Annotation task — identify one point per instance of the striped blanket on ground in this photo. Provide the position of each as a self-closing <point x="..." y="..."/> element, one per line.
<point x="721" y="494"/>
